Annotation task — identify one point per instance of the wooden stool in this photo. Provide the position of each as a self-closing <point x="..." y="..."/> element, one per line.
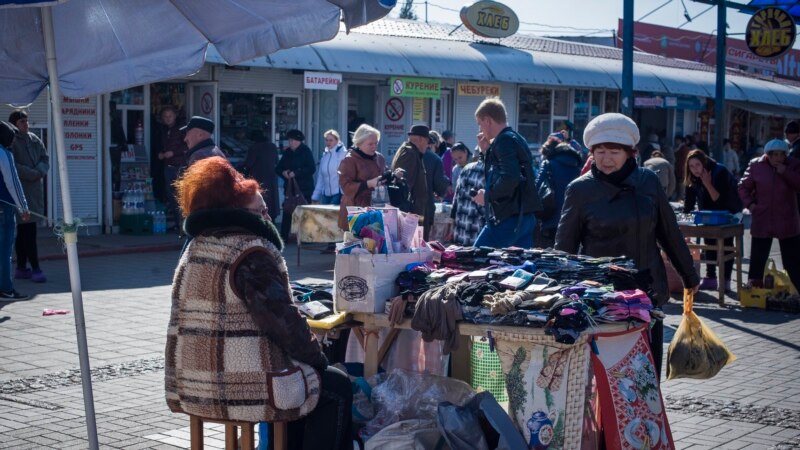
<point x="231" y="434"/>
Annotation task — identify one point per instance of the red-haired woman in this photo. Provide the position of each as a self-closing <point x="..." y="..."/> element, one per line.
<point x="237" y="348"/>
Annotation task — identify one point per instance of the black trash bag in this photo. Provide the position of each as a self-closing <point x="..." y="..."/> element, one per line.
<point x="480" y="424"/>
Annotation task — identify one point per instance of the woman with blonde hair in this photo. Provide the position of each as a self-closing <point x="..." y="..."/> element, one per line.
<point x="326" y="190"/>
<point x="360" y="171"/>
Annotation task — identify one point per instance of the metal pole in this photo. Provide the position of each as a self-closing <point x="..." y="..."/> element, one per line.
<point x="719" y="101"/>
<point x="627" y="58"/>
<point x="70" y="232"/>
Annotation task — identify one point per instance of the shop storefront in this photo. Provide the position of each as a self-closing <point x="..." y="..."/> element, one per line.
<point x="113" y="140"/>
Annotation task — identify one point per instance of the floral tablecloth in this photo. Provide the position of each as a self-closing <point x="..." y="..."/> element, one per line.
<point x="317" y="223"/>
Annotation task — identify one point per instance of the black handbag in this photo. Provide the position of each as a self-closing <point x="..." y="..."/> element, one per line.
<point x="293" y="197"/>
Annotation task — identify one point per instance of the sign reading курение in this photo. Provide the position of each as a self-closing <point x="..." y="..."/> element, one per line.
<point x="415" y="87"/>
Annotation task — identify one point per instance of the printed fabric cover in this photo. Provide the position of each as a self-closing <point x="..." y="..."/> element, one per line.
<point x="546" y="383"/>
<point x="631" y="407"/>
<point x="316" y="223"/>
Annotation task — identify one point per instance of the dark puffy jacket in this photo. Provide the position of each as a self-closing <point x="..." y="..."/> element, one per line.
<point x="601" y="219"/>
<point x="561" y="166"/>
<point x="773" y="198"/>
<point x="301" y="162"/>
<point x="510" y="183"/>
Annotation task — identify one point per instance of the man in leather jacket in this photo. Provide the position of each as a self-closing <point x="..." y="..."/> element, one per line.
<point x="510" y="196"/>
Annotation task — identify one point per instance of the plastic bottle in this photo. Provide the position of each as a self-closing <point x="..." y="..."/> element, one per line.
<point x="139" y="201"/>
<point x="126" y="198"/>
<point x="153" y="222"/>
<point x="139" y="133"/>
<point x="162" y="220"/>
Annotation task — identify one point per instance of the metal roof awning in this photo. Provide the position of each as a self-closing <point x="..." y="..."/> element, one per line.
<point x="756" y="91"/>
<point x="304" y="58"/>
<point x="365" y="54"/>
<point x="682" y="82"/>
<point x="576" y="71"/>
<point x="766" y="110"/>
<point x="444" y="59"/>
<point x="515" y="66"/>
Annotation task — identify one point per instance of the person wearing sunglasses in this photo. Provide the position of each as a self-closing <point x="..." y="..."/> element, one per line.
<point x="620" y="209"/>
<point x="769" y="189"/>
<point x="237" y="347"/>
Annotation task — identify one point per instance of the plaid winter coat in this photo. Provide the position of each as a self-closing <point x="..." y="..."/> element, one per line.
<point x="233" y="327"/>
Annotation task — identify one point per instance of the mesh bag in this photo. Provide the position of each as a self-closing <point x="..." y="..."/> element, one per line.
<point x="487" y="374"/>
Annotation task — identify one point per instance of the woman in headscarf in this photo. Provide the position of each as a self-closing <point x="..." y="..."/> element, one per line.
<point x="620" y="209"/>
<point x="769" y="189"/>
<point x="237" y="348"/>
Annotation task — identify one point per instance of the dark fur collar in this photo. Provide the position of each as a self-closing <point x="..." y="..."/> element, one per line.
<point x="206" y="220"/>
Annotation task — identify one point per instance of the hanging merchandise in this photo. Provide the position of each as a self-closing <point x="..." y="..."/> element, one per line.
<point x="546" y="385"/>
<point x="631" y="407"/>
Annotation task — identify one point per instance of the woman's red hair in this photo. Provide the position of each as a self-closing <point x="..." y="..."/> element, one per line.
<point x="213" y="183"/>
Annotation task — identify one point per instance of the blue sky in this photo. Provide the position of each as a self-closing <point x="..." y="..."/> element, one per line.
<point x="596" y="17"/>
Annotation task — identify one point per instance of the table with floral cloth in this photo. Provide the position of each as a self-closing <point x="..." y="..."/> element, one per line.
<point x="316" y="224"/>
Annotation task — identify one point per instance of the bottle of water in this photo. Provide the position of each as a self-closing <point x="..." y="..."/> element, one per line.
<point x="139" y="202"/>
<point x="153" y="222"/>
<point x="161" y="219"/>
<point x="126" y="203"/>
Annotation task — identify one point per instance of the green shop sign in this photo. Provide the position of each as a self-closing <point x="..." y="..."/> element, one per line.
<point x="415" y="87"/>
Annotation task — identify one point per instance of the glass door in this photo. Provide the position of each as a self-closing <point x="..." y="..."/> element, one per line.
<point x="286" y="116"/>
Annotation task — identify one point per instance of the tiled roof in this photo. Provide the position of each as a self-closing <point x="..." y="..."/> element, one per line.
<point x="438" y="31"/>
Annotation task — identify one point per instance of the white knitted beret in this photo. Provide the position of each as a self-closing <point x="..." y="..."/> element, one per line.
<point x="776" y="145"/>
<point x="611" y="127"/>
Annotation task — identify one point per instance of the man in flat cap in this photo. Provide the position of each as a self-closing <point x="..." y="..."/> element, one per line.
<point x="409" y="158"/>
<point x="198" y="139"/>
<point x="510" y="197"/>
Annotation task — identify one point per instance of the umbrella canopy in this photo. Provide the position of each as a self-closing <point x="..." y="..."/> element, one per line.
<point x="86" y="47"/>
<point x="108" y="45"/>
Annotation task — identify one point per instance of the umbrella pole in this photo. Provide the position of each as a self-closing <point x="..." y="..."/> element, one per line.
<point x="70" y="228"/>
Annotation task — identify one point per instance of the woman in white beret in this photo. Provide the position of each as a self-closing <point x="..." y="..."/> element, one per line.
<point x="620" y="209"/>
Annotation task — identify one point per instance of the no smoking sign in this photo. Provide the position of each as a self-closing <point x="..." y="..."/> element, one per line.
<point x="394" y="109"/>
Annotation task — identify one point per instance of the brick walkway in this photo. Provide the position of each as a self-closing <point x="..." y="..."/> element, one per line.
<point x="126" y="298"/>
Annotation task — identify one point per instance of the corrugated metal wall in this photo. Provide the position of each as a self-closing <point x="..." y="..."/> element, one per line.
<point x="37" y="111"/>
<point x="464" y="113"/>
<point x="259" y="80"/>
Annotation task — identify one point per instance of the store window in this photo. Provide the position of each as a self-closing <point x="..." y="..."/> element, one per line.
<point x="612" y="101"/>
<point x="244" y="120"/>
<point x="597" y="103"/>
<point x="561" y="103"/>
<point x="581" y="112"/>
<point x="130" y="156"/>
<point x="534" y="114"/>
<point x="360" y="107"/>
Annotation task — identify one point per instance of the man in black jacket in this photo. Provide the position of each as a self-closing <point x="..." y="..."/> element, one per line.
<point x="510" y="197"/>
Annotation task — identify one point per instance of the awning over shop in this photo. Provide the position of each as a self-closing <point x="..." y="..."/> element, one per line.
<point x="577" y="71"/>
<point x="515" y="66"/>
<point x="387" y="55"/>
<point x="766" y="110"/>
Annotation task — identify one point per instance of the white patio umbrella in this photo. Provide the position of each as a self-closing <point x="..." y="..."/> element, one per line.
<point x="81" y="48"/>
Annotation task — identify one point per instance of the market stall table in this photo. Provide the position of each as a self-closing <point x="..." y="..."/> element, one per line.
<point x="316" y="224"/>
<point x="372" y="323"/>
<point x="724" y="253"/>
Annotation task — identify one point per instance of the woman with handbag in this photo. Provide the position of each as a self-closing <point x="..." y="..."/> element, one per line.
<point x="237" y="348"/>
<point x="297" y="164"/>
<point x="360" y="172"/>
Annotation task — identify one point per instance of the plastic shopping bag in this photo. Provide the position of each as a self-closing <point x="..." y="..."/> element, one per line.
<point x="780" y="278"/>
<point x="695" y="351"/>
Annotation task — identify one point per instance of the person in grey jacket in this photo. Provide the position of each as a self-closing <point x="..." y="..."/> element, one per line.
<point x="620" y="209"/>
<point x="32" y="164"/>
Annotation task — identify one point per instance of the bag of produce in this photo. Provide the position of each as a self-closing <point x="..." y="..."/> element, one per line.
<point x="695" y="351"/>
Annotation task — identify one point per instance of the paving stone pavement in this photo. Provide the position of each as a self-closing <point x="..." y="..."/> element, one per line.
<point x="753" y="403"/>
